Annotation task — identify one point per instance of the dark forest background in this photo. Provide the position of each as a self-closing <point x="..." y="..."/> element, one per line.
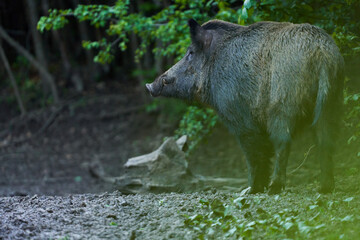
<point x="70" y="68"/>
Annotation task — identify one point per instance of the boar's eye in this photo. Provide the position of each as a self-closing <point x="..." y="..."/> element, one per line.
<point x="167" y="80"/>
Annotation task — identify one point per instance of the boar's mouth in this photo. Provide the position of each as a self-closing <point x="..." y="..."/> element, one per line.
<point x="154" y="88"/>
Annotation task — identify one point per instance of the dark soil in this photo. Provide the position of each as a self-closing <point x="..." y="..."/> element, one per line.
<point x="47" y="190"/>
<point x="103" y="216"/>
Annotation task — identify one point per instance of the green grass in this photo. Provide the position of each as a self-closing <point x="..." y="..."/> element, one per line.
<point x="297" y="213"/>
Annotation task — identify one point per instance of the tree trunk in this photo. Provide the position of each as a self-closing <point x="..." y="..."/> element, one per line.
<point x="49" y="84"/>
<point x="63" y="53"/>
<point x="33" y="61"/>
<point x="92" y="68"/>
<point x="134" y="44"/>
<point x="12" y="79"/>
<point x="159" y="60"/>
<point x="68" y="69"/>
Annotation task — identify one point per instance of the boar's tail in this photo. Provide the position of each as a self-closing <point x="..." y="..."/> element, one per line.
<point x="322" y="94"/>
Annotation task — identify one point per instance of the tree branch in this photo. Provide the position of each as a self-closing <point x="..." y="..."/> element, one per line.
<point x="33" y="61"/>
<point x="13" y="81"/>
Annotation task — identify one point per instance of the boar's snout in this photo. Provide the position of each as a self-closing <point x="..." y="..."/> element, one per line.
<point x="156" y="87"/>
<point x="150" y="89"/>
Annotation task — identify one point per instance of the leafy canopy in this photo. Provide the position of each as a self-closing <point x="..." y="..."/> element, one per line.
<point x="169" y="25"/>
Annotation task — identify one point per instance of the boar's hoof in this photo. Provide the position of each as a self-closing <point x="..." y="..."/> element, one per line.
<point x="275" y="187"/>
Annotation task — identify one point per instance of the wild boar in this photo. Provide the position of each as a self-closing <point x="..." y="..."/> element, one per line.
<point x="267" y="82"/>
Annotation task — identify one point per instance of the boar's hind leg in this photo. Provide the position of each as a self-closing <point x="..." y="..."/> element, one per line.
<point x="258" y="151"/>
<point x="281" y="142"/>
<point x="325" y="138"/>
<point x="281" y="159"/>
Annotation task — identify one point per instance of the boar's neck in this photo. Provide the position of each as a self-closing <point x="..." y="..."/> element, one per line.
<point x="201" y="92"/>
<point x="232" y="83"/>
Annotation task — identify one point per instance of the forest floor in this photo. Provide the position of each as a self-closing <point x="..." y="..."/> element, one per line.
<point x="48" y="191"/>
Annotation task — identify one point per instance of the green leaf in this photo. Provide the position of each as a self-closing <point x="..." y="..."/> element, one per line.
<point x="349" y="199"/>
<point x="247" y="4"/>
<point x="244" y="14"/>
<point x="319" y="226"/>
<point x="311" y="207"/>
<point x="348" y="218"/>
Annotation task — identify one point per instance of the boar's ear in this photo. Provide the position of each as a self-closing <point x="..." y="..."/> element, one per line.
<point x="194" y="28"/>
<point x="199" y="36"/>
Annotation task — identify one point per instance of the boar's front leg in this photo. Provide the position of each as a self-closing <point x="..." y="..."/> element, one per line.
<point x="258" y="151"/>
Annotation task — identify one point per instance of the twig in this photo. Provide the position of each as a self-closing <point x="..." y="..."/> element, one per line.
<point x="107" y="115"/>
<point x="13" y="81"/>
<point x="46" y="125"/>
<point x="33" y="61"/>
<point x="306" y="155"/>
<point x="115" y="42"/>
<point x="45" y="180"/>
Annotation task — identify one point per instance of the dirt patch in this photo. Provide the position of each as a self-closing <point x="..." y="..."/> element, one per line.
<point x="107" y="216"/>
<point x="298" y="213"/>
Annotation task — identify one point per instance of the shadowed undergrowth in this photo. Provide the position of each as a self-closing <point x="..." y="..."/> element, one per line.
<point x="298" y="213"/>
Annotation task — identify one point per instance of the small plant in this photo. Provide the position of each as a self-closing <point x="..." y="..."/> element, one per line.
<point x="260" y="217"/>
<point x="196" y="123"/>
<point x="352" y="101"/>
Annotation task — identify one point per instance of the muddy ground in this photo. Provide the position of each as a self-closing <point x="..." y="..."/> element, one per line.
<point x="48" y="191"/>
